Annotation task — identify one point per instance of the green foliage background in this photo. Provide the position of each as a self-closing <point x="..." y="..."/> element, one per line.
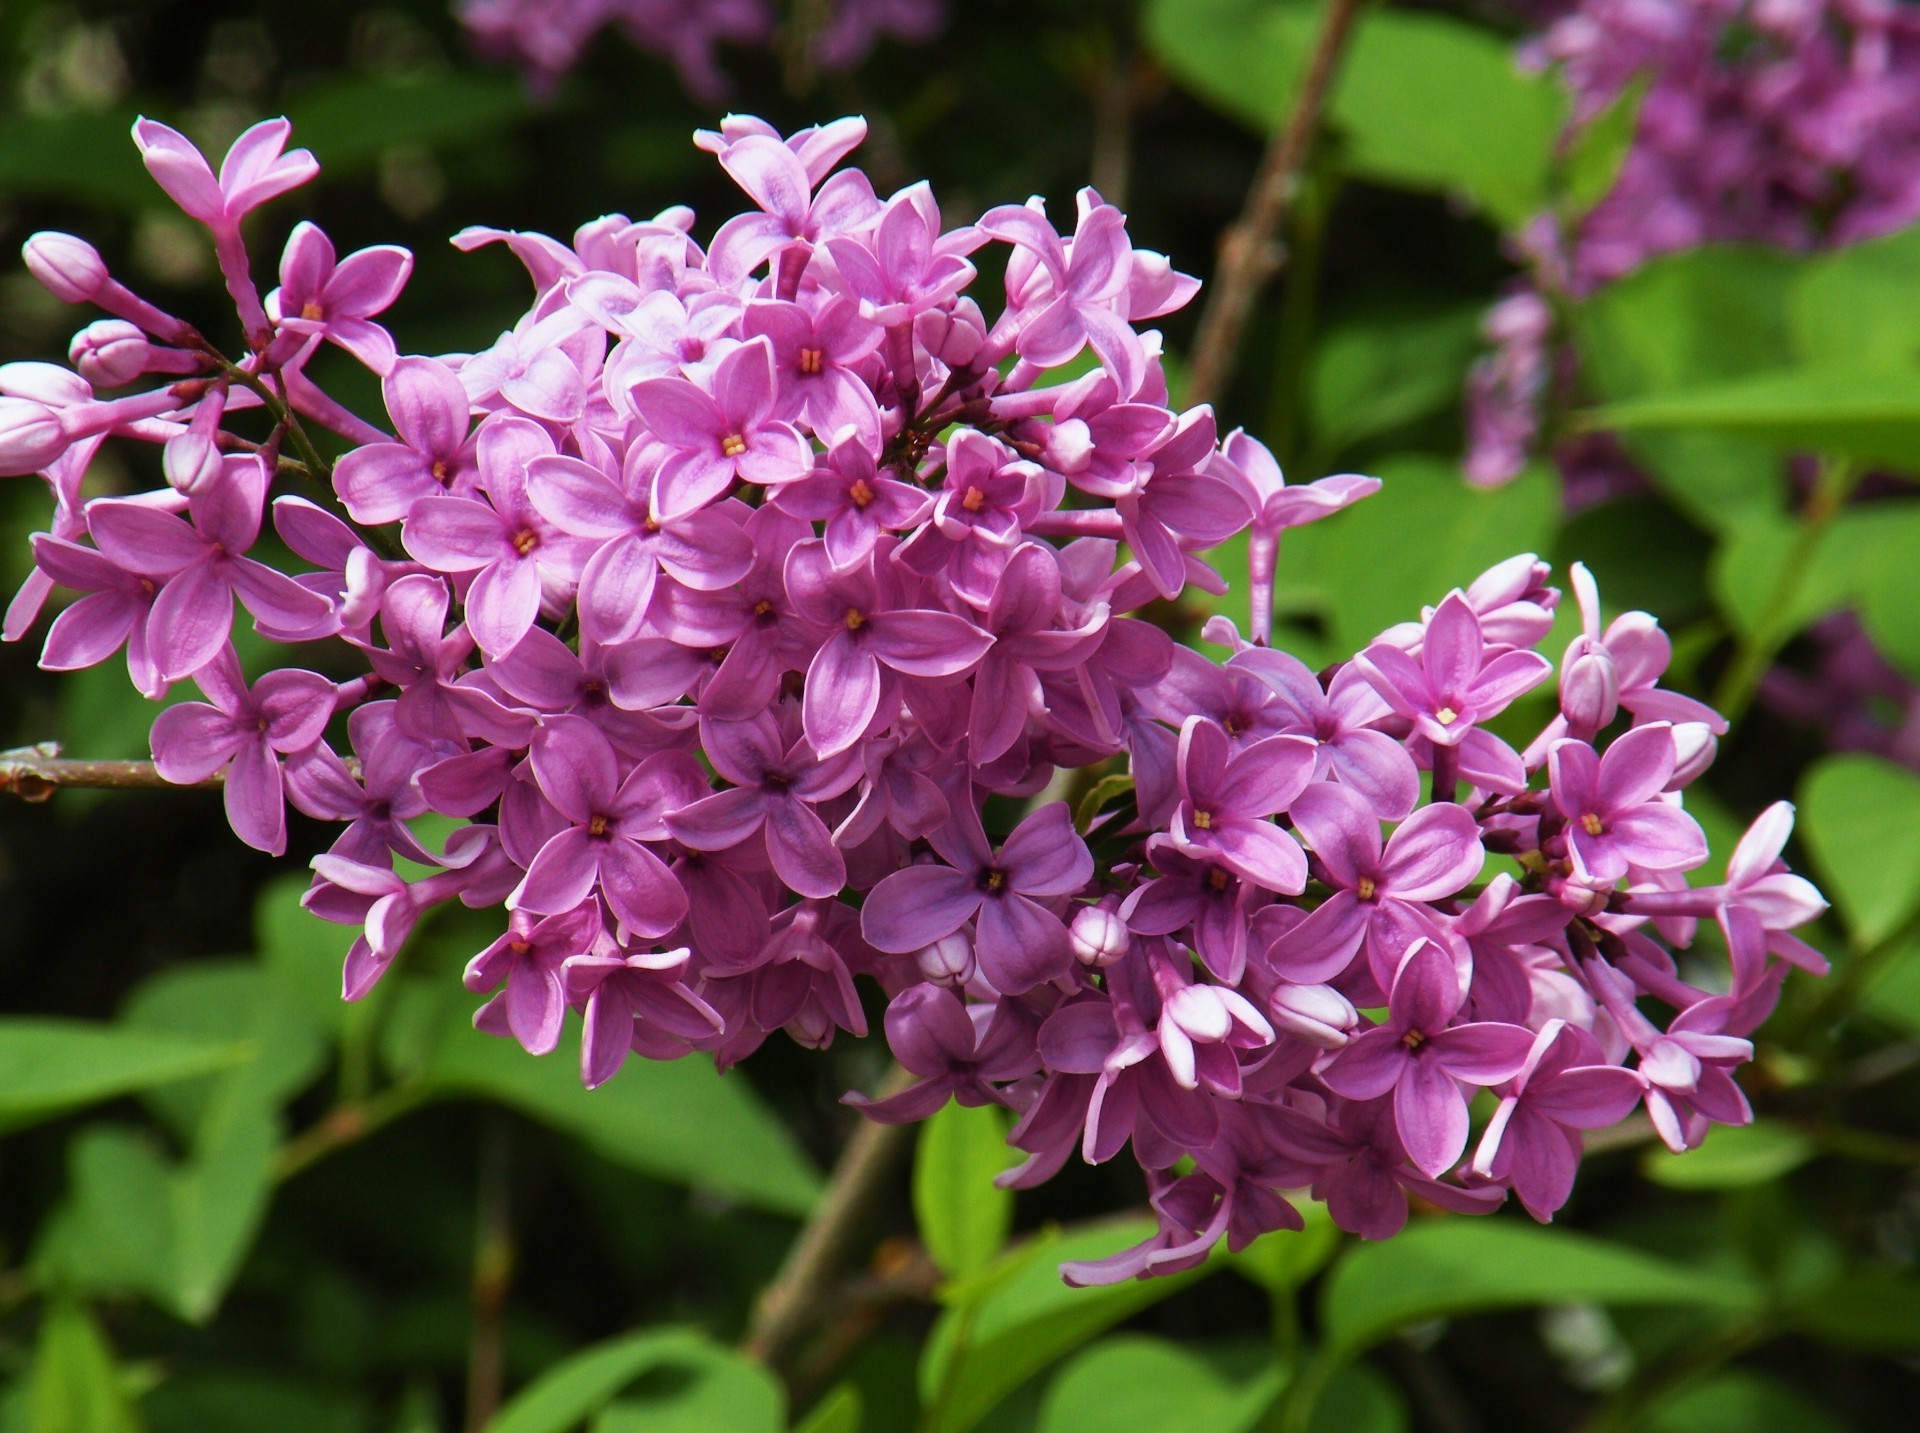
<point x="229" y="1203"/>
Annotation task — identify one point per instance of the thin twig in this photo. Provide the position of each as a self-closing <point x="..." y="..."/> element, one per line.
<point x="34" y="773"/>
<point x="1249" y="250"/>
<point x="788" y="1306"/>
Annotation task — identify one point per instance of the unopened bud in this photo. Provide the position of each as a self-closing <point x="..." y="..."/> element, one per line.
<point x="31" y="437"/>
<point x="1694" y="748"/>
<point x="70" y="269"/>
<point x="1589" y="689"/>
<point x="191" y="463"/>
<point x="110" y="352"/>
<point x="1098" y="936"/>
<point x="1318" y="1014"/>
<point x="948" y="961"/>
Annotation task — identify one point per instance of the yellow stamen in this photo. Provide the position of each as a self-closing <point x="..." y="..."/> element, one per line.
<point x="1446" y="716"/>
<point x="812" y="360"/>
<point x="733" y="445"/>
<point x="856" y="619"/>
<point x="597" y="826"/>
<point x="1203" y="820"/>
<point x="1591" y="824"/>
<point x="525" y="541"/>
<point x="860" y="492"/>
<point x="311" y="310"/>
<point x="1413" y="1039"/>
<point x="1365" y="888"/>
<point x="996" y="879"/>
<point x="974" y="500"/>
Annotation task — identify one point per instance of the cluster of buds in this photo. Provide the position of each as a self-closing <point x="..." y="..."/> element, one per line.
<point x="751" y="604"/>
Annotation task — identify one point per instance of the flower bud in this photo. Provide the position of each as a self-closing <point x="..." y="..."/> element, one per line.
<point x="1589" y="688"/>
<point x="1098" y="936"/>
<point x="948" y="961"/>
<point x="31" y="437"/>
<point x="110" y="352"/>
<point x="68" y="268"/>
<point x="1318" y="1014"/>
<point x="191" y="463"/>
<point x="1694" y="748"/>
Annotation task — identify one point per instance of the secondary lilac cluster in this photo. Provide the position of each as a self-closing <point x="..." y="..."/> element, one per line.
<point x="547" y="38"/>
<point x="755" y="605"/>
<point x="1786" y="122"/>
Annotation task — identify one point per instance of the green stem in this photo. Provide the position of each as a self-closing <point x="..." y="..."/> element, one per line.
<point x="345" y="1124"/>
<point x="1776" y="626"/>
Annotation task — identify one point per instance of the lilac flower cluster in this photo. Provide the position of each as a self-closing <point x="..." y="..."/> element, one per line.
<point x="1786" y="122"/>
<point x="753" y="604"/>
<point x="546" y="38"/>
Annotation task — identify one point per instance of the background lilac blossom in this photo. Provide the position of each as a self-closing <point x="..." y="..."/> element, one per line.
<point x="613" y="585"/>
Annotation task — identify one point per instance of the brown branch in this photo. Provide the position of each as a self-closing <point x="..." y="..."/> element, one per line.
<point x="1250" y="253"/>
<point x="789" y="1306"/>
<point x="34" y="773"/>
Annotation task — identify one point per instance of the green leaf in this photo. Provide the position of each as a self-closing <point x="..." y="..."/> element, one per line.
<point x="1874" y="417"/>
<point x="231" y="1000"/>
<point x="1853" y="308"/>
<point x="963" y="1216"/>
<point x="1440" y="532"/>
<point x="1023" y="1316"/>
<point x="1106" y="789"/>
<point x="1359" y="1399"/>
<point x="680" y="1120"/>
<point x="1737" y="1401"/>
<point x="1884" y="581"/>
<point x="74" y="1385"/>
<point x="83" y="156"/>
<point x="351" y="121"/>
<point x="1685" y="321"/>
<point x="565" y="1396"/>
<point x="1372" y="375"/>
<point x="841" y="1411"/>
<point x="50" y="1066"/>
<point x="1456" y="1266"/>
<point x="1733" y="1156"/>
<point x="135" y="1221"/>
<point x="1748" y="569"/>
<point x="1594" y="156"/>
<point x="1399" y="72"/>
<point x="1148" y="1385"/>
<point x="1860" y="816"/>
<point x="1874" y="1309"/>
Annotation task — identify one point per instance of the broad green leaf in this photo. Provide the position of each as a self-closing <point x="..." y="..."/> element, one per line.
<point x="1439" y="532"/>
<point x="1444" y="1267"/>
<point x="565" y="1396"/>
<point x="306" y="952"/>
<point x="1360" y="1399"/>
<point x="1371" y="375"/>
<point x="1886" y="584"/>
<point x="1400" y="71"/>
<point x="1768" y="558"/>
<point x="231" y="1000"/>
<point x="841" y="1411"/>
<point x="1853" y="308"/>
<point x="1874" y="417"/>
<point x="1876" y="1309"/>
<point x="1148" y="1385"/>
<point x="75" y="1385"/>
<point x="678" y="1120"/>
<point x="1685" y="321"/>
<point x="1860" y="816"/>
<point x="86" y="156"/>
<point x="1733" y="1155"/>
<point x="1594" y="156"/>
<point x="963" y="1217"/>
<point x="135" y="1221"/>
<point x="350" y="121"/>
<point x="728" y="1392"/>
<point x="1893" y="994"/>
<point x="1025" y="1316"/>
<point x="1738" y="1401"/>
<point x="50" y="1066"/>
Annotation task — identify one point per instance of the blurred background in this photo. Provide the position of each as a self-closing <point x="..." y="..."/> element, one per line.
<point x="1627" y="281"/>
